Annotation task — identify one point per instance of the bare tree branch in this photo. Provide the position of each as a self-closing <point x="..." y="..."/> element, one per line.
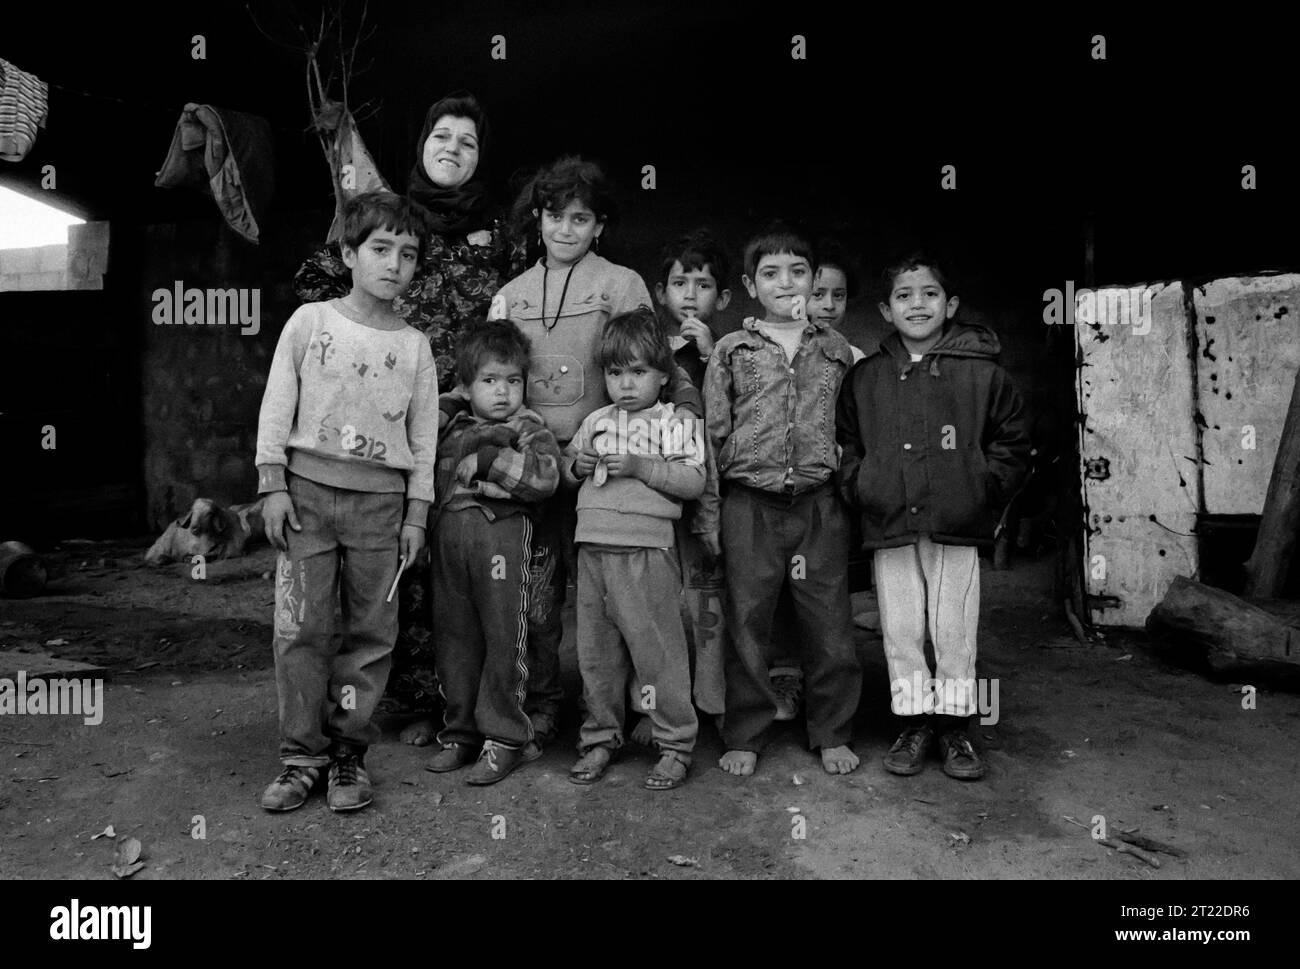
<point x="336" y="44"/>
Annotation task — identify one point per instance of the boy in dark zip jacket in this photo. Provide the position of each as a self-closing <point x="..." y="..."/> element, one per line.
<point x="935" y="445"/>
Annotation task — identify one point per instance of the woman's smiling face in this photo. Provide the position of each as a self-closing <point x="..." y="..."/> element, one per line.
<point x="451" y="151"/>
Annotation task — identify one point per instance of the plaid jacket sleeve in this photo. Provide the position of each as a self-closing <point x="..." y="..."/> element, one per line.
<point x="527" y="465"/>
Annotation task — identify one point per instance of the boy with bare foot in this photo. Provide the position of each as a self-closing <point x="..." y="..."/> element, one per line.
<point x="769" y="395"/>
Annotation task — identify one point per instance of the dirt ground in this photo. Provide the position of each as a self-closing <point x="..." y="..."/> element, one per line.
<point x="190" y="730"/>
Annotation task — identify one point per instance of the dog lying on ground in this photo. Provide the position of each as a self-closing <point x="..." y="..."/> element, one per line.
<point x="211" y="531"/>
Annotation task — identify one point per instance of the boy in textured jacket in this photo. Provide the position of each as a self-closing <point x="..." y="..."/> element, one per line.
<point x="769" y="393"/>
<point x="496" y="463"/>
<point x="935" y="445"/>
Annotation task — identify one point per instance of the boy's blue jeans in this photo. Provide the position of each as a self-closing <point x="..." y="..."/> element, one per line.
<point x="346" y="554"/>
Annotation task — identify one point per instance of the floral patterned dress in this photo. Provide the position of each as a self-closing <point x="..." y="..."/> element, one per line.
<point x="452" y="287"/>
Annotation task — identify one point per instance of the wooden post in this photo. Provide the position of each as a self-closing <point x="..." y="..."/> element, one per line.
<point x="1267" y="568"/>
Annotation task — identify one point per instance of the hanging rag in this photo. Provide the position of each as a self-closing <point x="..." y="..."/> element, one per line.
<point x="228" y="155"/>
<point x="24" y="106"/>
<point x="361" y="176"/>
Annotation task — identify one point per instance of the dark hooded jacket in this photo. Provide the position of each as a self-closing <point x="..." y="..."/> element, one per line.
<point x="937" y="447"/>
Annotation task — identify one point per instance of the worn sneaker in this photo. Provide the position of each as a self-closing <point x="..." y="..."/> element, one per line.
<point x="290" y="789"/>
<point x="349" y="784"/>
<point x="959" y="757"/>
<point x="450" y="757"/>
<point x="907" y="756"/>
<point x="495" y="762"/>
<point x="788" y="688"/>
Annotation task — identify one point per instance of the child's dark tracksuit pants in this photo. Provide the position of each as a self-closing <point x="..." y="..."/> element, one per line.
<point x="480" y="620"/>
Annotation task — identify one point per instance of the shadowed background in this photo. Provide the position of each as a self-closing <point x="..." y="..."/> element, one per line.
<point x="1141" y="153"/>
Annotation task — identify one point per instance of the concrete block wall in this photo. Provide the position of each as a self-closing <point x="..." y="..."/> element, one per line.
<point x="87" y="255"/>
<point x="33" y="268"/>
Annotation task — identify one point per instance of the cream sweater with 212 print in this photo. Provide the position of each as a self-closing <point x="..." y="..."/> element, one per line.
<point x="352" y="406"/>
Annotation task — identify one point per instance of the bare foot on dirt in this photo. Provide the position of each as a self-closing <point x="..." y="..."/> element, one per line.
<point x="419" y="734"/>
<point x="739" y="762"/>
<point x="643" y="733"/>
<point x="839" y="760"/>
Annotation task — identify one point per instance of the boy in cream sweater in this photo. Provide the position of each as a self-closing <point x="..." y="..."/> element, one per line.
<point x="346" y="442"/>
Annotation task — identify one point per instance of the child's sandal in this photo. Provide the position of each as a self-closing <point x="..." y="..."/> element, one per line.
<point x="670" y="772"/>
<point x="591" y="766"/>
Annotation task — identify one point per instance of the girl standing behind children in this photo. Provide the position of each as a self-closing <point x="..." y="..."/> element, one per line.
<point x="562" y="305"/>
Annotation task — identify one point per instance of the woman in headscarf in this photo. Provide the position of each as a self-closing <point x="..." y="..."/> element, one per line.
<point x="471" y="250"/>
<point x="470" y="253"/>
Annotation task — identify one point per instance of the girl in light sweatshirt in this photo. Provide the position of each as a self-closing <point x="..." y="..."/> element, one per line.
<point x="562" y="305"/>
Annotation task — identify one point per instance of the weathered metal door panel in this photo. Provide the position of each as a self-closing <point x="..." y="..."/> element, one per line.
<point x="1248" y="338"/>
<point x="1138" y="445"/>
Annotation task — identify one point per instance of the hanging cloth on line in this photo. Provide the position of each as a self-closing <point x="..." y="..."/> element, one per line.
<point x="228" y="155"/>
<point x="24" y="106"/>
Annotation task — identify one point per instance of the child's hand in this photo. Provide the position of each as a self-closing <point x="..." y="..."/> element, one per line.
<point x="625" y="465"/>
<point x="698" y="331"/>
<point x="411" y="542"/>
<point x="466" y="469"/>
<point x="585" y="462"/>
<point x="276" y="510"/>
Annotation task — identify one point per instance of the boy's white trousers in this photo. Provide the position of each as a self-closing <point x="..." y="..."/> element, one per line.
<point x="941" y="584"/>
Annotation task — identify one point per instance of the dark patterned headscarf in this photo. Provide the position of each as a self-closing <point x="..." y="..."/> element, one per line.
<point x="466" y="208"/>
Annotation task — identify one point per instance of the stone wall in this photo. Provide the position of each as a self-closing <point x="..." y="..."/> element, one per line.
<point x="202" y="383"/>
